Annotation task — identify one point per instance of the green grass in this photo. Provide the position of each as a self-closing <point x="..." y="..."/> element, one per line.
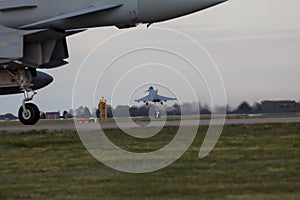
<point x="248" y="162"/>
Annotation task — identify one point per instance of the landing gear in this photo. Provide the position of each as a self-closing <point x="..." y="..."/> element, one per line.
<point x="29" y="113"/>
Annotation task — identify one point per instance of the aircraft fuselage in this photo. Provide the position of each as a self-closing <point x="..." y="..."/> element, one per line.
<point x="128" y="14"/>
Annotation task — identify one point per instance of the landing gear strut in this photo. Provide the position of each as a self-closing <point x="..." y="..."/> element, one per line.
<point x="29" y="113"/>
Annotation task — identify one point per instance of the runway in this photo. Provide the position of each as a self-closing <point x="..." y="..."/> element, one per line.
<point x="59" y="126"/>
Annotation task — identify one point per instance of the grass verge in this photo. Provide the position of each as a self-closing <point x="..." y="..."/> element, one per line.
<point x="248" y="162"/>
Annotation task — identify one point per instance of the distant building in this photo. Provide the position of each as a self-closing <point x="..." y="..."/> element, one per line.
<point x="297" y="107"/>
<point x="278" y="106"/>
<point x="52" y="115"/>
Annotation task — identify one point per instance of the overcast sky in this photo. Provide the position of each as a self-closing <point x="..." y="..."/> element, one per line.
<point x="254" y="43"/>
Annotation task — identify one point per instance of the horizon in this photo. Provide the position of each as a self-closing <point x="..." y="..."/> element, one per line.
<point x="229" y="108"/>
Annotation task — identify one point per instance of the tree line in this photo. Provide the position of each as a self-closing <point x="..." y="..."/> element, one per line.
<point x="174" y="110"/>
<point x="195" y="108"/>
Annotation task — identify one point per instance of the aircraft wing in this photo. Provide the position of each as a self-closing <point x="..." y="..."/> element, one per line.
<point x="144" y="99"/>
<point x="162" y="98"/>
<point x="40" y="48"/>
<point x="78" y="13"/>
<point x="12" y="43"/>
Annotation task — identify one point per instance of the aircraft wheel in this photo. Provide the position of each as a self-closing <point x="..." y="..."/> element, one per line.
<point x="31" y="116"/>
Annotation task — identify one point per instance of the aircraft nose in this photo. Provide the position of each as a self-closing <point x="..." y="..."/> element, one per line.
<point x="215" y="2"/>
<point x="156" y="10"/>
<point x="41" y="80"/>
<point x="219" y="1"/>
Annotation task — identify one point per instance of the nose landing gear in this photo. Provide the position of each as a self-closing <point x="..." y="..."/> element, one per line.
<point x="29" y="113"/>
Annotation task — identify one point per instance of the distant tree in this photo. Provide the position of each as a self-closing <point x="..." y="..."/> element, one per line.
<point x="205" y="110"/>
<point x="190" y="108"/>
<point x="256" y="108"/>
<point x="139" y="111"/>
<point x="144" y="110"/>
<point x="86" y="113"/>
<point x="109" y="111"/>
<point x="219" y="110"/>
<point x="78" y="112"/>
<point x="82" y="112"/>
<point x="121" y="111"/>
<point x="134" y="111"/>
<point x="71" y="113"/>
<point x="94" y="112"/>
<point x="65" y="115"/>
<point x="8" y="116"/>
<point x="229" y="110"/>
<point x="174" y="110"/>
<point x="244" y="108"/>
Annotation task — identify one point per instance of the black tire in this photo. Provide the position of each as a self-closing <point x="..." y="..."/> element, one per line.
<point x="30" y="117"/>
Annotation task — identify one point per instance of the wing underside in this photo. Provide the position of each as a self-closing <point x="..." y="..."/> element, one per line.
<point x="163" y="98"/>
<point x="144" y="99"/>
<point x="33" y="48"/>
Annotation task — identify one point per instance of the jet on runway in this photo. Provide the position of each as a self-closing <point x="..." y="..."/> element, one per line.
<point x="33" y="35"/>
<point x="154" y="97"/>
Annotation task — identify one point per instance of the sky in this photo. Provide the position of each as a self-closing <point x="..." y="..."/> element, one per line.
<point x="250" y="46"/>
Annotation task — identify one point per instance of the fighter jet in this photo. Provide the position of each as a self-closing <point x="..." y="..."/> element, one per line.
<point x="154" y="97"/>
<point x="33" y="35"/>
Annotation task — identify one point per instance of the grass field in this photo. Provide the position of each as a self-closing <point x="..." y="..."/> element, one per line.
<point x="248" y="162"/>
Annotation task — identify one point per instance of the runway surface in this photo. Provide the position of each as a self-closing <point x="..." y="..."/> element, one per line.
<point x="127" y="125"/>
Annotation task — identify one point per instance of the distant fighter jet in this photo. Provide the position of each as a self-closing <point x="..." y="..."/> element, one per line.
<point x="33" y="35"/>
<point x="154" y="97"/>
